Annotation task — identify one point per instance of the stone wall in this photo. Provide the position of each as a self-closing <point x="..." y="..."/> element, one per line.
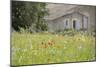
<point x="88" y="11"/>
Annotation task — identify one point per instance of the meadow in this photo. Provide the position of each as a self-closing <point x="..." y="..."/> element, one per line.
<point x="47" y="48"/>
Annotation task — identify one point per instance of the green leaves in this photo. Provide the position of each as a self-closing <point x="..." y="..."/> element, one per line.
<point x="26" y="14"/>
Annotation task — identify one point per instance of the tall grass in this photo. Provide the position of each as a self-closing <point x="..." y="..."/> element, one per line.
<point x="44" y="48"/>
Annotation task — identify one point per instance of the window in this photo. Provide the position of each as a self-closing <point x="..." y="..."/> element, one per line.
<point x="85" y="23"/>
<point x="66" y="22"/>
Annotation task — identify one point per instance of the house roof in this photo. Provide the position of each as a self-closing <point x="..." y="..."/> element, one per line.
<point x="58" y="10"/>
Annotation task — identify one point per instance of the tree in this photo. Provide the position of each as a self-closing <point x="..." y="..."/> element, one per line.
<point x="29" y="15"/>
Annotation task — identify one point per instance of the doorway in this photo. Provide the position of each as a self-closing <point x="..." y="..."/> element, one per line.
<point x="74" y="24"/>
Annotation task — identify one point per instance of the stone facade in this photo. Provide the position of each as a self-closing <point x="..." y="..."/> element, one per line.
<point x="78" y="17"/>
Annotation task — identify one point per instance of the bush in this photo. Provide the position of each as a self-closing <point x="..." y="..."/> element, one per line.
<point x="22" y="30"/>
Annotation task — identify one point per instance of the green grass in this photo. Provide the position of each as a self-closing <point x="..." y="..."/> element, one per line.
<point x="44" y="48"/>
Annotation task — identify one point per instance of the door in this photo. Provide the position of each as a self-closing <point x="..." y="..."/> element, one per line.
<point x="76" y="25"/>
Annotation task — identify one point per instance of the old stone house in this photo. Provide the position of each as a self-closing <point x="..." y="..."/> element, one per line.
<point x="64" y="16"/>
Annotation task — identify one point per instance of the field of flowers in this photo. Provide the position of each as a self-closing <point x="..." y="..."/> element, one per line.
<point x="45" y="48"/>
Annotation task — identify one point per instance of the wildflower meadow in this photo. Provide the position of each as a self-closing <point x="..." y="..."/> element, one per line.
<point x="47" y="48"/>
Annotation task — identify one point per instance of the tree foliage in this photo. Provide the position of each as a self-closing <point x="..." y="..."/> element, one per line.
<point x="29" y="15"/>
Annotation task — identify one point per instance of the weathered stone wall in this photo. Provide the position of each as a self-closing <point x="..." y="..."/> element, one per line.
<point x="59" y="23"/>
<point x="88" y="11"/>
